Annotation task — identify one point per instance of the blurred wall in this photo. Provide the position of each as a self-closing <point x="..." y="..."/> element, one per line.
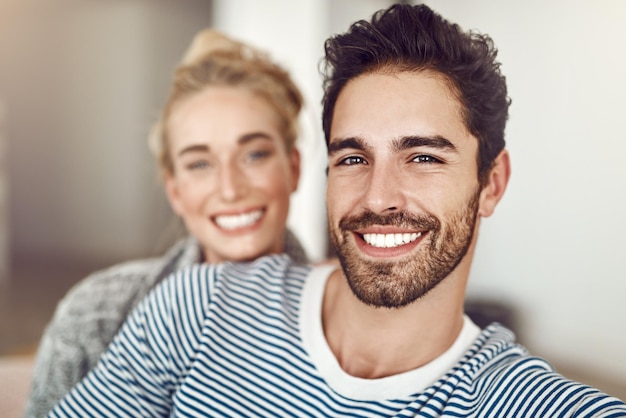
<point x="81" y="82"/>
<point x="4" y="203"/>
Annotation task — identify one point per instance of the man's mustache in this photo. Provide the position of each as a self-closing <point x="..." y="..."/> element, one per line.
<point x="400" y="219"/>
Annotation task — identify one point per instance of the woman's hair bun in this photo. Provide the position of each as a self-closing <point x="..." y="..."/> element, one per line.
<point x="209" y="42"/>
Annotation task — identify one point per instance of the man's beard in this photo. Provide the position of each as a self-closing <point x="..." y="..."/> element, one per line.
<point x="394" y="284"/>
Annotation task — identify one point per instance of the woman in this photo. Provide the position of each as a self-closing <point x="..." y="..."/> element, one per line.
<point x="225" y="144"/>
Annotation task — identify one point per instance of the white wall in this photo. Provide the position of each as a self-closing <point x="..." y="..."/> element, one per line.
<point x="555" y="247"/>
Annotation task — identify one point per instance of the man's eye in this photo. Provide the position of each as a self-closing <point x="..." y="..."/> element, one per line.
<point x="426" y="159"/>
<point x="352" y="160"/>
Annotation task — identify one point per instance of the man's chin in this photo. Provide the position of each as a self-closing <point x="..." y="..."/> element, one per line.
<point x="378" y="283"/>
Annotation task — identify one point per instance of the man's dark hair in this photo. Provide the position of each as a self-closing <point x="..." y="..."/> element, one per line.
<point x="414" y="39"/>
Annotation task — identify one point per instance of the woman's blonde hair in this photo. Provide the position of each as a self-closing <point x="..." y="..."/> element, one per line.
<point x="213" y="59"/>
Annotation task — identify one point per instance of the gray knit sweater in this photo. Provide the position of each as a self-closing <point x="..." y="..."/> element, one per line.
<point x="89" y="316"/>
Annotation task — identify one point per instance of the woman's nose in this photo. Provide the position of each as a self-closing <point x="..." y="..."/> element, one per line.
<point x="232" y="182"/>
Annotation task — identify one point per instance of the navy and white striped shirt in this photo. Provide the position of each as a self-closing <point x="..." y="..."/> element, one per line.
<point x="227" y="340"/>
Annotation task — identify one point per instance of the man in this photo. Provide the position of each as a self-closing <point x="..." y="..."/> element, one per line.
<point x="414" y="116"/>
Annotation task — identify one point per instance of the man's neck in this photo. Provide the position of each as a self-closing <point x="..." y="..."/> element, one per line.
<point x="371" y="342"/>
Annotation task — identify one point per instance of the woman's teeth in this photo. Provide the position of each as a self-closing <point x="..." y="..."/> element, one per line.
<point x="390" y="240"/>
<point x="231" y="222"/>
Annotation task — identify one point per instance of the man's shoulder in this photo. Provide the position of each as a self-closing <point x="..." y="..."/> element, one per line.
<point x="272" y="283"/>
<point x="495" y="348"/>
<point x="266" y="278"/>
<point x="273" y="270"/>
<point x="279" y="269"/>
<point x="496" y="355"/>
<point x="527" y="386"/>
<point x="512" y="380"/>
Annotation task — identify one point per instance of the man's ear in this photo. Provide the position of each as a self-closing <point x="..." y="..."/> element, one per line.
<point x="171" y="190"/>
<point x="294" y="166"/>
<point x="495" y="185"/>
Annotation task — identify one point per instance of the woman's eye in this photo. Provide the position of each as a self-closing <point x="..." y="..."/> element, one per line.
<point x="197" y="165"/>
<point x="426" y="159"/>
<point x="352" y="160"/>
<point x="258" y="155"/>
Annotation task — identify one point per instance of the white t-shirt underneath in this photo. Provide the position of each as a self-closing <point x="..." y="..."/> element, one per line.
<point x="391" y="387"/>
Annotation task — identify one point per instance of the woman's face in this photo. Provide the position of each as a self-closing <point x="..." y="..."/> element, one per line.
<point x="233" y="175"/>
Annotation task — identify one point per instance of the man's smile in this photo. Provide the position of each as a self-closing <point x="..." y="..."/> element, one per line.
<point x="386" y="242"/>
<point x="390" y="240"/>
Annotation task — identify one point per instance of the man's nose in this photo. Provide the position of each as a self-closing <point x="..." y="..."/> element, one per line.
<point x="384" y="191"/>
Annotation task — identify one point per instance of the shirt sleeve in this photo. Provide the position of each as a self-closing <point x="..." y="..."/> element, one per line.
<point x="142" y="368"/>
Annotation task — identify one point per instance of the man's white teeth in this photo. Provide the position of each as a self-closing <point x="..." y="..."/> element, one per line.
<point x="238" y="221"/>
<point x="390" y="240"/>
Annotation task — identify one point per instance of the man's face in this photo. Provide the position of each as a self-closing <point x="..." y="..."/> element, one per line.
<point x="403" y="191"/>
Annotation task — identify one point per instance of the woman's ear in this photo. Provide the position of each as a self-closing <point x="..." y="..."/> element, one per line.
<point x="495" y="186"/>
<point x="294" y="166"/>
<point x="172" y="192"/>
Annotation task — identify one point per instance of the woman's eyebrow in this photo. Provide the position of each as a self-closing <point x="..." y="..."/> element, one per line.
<point x="249" y="137"/>
<point x="193" y="148"/>
<point x="244" y="139"/>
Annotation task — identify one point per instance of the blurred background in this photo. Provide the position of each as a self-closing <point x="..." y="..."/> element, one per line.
<point x="81" y="81"/>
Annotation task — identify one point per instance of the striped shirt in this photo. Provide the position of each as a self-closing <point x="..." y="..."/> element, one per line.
<point x="227" y="340"/>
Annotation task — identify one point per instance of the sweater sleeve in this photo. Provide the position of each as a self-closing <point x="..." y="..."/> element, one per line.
<point x="60" y="364"/>
<point x="84" y="323"/>
<point x="147" y="360"/>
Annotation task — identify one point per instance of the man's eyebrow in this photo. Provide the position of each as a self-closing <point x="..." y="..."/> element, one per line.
<point x="340" y="144"/>
<point x="407" y="142"/>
